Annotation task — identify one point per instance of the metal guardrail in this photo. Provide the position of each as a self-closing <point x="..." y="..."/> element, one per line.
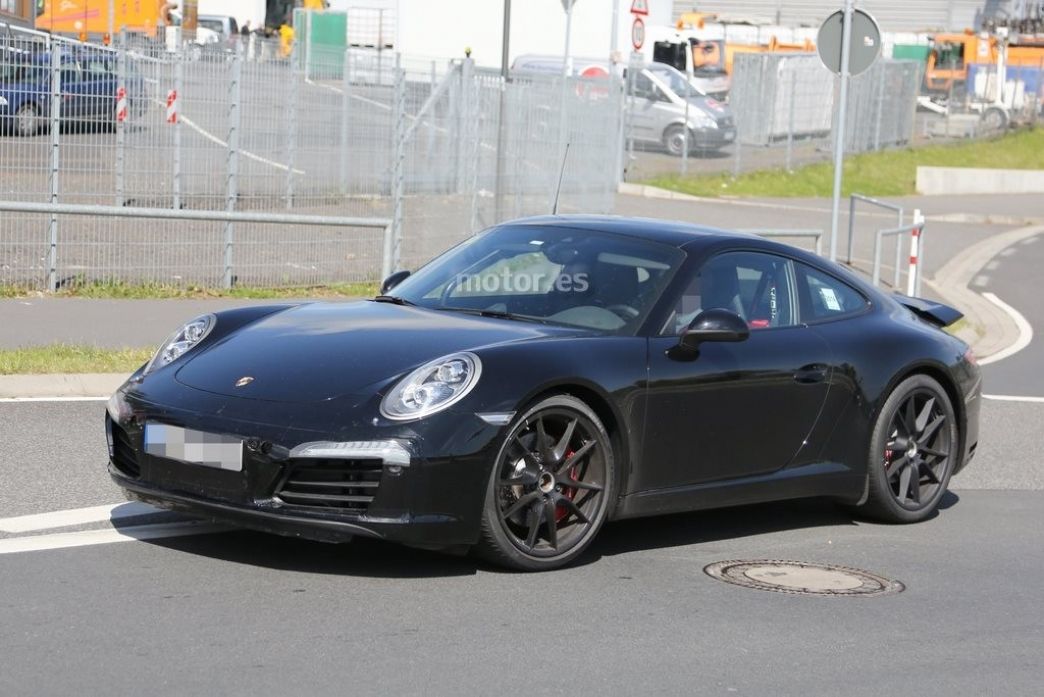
<point x="389" y="260"/>
<point x="916" y="230"/>
<point x="851" y="218"/>
<point x="817" y="235"/>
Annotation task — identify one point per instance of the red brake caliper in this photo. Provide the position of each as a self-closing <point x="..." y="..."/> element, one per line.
<point x="561" y="511"/>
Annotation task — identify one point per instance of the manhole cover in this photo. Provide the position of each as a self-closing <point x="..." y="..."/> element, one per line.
<point x="801" y="577"/>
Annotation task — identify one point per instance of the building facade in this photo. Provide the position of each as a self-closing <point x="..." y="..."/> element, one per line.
<point x="892" y="15"/>
<point x="18" y="12"/>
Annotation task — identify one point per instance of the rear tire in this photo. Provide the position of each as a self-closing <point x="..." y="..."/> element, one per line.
<point x="913" y="451"/>
<point x="550" y="487"/>
<point x="994" y="119"/>
<point x="27" y="120"/>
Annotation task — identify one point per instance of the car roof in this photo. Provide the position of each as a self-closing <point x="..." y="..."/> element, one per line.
<point x="675" y="233"/>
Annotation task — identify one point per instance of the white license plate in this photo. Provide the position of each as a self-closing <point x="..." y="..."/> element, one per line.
<point x="730" y="136"/>
<point x="194" y="447"/>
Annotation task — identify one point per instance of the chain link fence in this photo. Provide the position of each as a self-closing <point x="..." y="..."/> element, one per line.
<point x="439" y="148"/>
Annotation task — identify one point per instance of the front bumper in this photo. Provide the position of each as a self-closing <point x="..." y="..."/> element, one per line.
<point x="713" y="138"/>
<point x="421" y="484"/>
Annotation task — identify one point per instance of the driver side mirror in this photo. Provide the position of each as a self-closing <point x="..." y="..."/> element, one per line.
<point x="394" y="280"/>
<point x="713" y="325"/>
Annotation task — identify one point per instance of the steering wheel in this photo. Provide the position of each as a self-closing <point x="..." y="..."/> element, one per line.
<point x="624" y="312"/>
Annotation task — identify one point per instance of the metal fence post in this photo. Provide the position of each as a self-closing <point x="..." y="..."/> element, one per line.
<point x="790" y="120"/>
<point x="179" y="79"/>
<point x="291" y="125"/>
<point x="399" y="165"/>
<point x="876" y="277"/>
<point x="346" y="86"/>
<point x="880" y="107"/>
<point x="232" y="184"/>
<point x="55" y="128"/>
<point x="851" y="227"/>
<point x="121" y="125"/>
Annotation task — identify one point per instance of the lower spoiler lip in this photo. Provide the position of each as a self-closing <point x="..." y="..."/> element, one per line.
<point x="937" y="313"/>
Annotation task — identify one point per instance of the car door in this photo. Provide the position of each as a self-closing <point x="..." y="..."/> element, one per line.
<point x="734" y="409"/>
<point x="645" y="102"/>
<point x="98" y="87"/>
<point x="75" y="97"/>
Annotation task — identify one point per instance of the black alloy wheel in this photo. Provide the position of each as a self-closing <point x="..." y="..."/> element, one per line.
<point x="550" y="487"/>
<point x="913" y="453"/>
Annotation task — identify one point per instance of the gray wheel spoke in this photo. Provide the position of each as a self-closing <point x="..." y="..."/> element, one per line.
<point x="904" y="483"/>
<point x="543" y="443"/>
<point x="894" y="468"/>
<point x="536" y="514"/>
<point x="934" y="452"/>
<point x="909" y="419"/>
<point x="931" y="428"/>
<point x="926" y="413"/>
<point x="521" y="503"/>
<point x="577" y="484"/>
<point x="915" y="483"/>
<point x="525" y="478"/>
<point x="576" y="457"/>
<point x="927" y="471"/>
<point x="573" y="508"/>
<point x="562" y="445"/>
<point x="552" y="525"/>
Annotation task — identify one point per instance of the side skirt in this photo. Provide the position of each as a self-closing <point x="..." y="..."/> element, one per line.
<point x="829" y="479"/>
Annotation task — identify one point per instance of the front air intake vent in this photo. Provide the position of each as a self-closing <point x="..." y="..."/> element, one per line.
<point x="340" y="484"/>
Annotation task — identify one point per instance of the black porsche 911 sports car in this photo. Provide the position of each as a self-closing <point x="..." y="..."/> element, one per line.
<point x="548" y="375"/>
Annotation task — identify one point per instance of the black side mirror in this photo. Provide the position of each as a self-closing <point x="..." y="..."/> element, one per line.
<point x="714" y="325"/>
<point x="394" y="280"/>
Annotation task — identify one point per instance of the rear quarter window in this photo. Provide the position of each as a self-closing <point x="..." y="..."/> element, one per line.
<point x="825" y="297"/>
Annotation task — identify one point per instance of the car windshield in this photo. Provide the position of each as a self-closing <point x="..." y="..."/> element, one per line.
<point x="21" y="72"/>
<point x="675" y="81"/>
<point x="552" y="275"/>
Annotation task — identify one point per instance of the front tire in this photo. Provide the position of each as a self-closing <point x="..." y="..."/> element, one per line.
<point x="550" y="487"/>
<point x="913" y="452"/>
<point x="674" y="140"/>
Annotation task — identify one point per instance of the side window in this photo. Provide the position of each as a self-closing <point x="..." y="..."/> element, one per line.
<point x="827" y="297"/>
<point x="643" y="87"/>
<point x="758" y="287"/>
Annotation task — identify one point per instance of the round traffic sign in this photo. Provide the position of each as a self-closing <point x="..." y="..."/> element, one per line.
<point x="638" y="33"/>
<point x="865" y="42"/>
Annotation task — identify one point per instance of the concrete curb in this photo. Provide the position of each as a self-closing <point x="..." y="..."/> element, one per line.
<point x="60" y="385"/>
<point x="995" y="330"/>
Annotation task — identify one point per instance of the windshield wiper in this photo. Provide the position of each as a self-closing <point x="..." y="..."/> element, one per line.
<point x="499" y="314"/>
<point x="393" y="299"/>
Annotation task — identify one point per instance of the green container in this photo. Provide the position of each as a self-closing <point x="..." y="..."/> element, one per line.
<point x="322" y="40"/>
<point x="917" y="52"/>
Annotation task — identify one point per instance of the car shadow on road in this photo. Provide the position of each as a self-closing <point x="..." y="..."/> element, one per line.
<point x="370" y="558"/>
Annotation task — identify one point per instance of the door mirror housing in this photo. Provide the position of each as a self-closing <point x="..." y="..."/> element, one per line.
<point x="714" y="325"/>
<point x="394" y="280"/>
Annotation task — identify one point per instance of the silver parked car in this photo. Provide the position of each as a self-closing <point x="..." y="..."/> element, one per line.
<point x="656" y="103"/>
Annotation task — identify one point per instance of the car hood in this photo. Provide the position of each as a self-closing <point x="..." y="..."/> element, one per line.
<point x="322" y="351"/>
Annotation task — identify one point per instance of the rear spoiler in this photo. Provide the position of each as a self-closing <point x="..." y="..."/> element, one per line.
<point x="938" y="314"/>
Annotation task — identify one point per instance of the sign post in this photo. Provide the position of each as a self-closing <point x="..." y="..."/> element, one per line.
<point x="848" y="42"/>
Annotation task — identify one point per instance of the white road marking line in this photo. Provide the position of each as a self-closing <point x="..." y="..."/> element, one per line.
<point x="1007" y="252"/>
<point x="86" y="538"/>
<point x="76" y="516"/>
<point x="214" y="139"/>
<point x="992" y="266"/>
<point x="9" y="400"/>
<point x="981" y="280"/>
<point x="1025" y="331"/>
<point x="1030" y="240"/>
<point x="1013" y="398"/>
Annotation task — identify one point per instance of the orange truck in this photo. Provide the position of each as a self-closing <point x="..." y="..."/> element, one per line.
<point x="91" y="17"/>
<point x="951" y="56"/>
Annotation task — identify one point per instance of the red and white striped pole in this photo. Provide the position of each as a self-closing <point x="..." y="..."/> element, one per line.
<point x="121" y="104"/>
<point x="913" y="277"/>
<point x="172" y="106"/>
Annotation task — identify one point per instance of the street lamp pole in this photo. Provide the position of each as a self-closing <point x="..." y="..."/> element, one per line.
<point x="505" y="44"/>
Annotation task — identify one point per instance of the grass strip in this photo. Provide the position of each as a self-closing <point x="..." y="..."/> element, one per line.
<point x="71" y="358"/>
<point x="884" y="173"/>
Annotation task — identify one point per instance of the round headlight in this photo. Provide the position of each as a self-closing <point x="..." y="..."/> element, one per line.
<point x="181" y="341"/>
<point x="432" y="387"/>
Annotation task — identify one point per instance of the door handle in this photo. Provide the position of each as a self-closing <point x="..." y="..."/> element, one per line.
<point x="812" y="373"/>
